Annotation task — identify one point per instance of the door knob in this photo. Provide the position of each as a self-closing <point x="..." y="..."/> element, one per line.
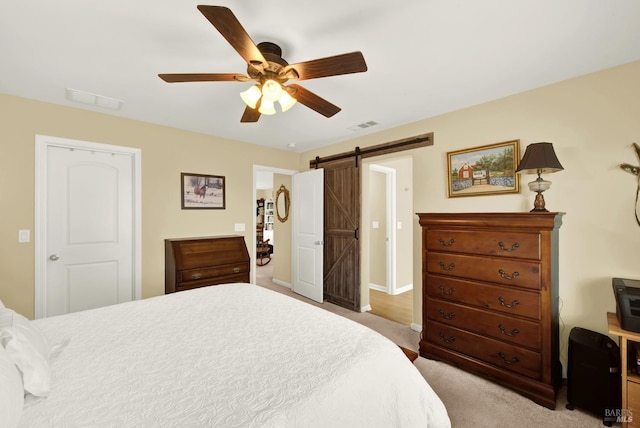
<point x="318" y="242"/>
<point x="54" y="257"/>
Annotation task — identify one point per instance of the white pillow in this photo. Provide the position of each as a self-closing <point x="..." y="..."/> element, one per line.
<point x="28" y="348"/>
<point x="11" y="392"/>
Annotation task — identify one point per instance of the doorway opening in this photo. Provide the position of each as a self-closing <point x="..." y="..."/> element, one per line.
<point x="388" y="210"/>
<point x="266" y="181"/>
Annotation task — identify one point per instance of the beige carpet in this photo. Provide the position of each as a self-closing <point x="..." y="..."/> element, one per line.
<point x="470" y="400"/>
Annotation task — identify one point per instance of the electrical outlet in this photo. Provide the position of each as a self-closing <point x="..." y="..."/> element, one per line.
<point x="239" y="227"/>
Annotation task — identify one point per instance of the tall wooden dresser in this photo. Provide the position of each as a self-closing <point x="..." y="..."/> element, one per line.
<point x="199" y="262"/>
<point x="490" y="297"/>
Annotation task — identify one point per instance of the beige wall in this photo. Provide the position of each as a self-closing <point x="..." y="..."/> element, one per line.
<point x="377" y="207"/>
<point x="591" y="121"/>
<point x="282" y="236"/>
<point x="166" y="152"/>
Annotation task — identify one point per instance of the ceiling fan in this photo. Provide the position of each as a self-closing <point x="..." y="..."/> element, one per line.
<point x="266" y="66"/>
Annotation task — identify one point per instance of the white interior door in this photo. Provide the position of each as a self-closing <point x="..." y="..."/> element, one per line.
<point x="307" y="205"/>
<point x="88" y="242"/>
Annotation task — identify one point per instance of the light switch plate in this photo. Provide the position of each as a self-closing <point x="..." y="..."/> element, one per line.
<point x="24" y="235"/>
<point x="239" y="227"/>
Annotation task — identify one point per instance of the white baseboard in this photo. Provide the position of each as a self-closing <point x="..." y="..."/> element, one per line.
<point x="378" y="287"/>
<point x="416" y="327"/>
<point x="365" y="308"/>
<point x="400" y="290"/>
<point x="279" y="282"/>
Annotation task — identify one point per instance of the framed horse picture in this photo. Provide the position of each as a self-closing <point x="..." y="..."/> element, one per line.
<point x="201" y="191"/>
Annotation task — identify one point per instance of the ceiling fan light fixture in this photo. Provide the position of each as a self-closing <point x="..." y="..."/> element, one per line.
<point x="251" y="96"/>
<point x="271" y="90"/>
<point x="266" y="106"/>
<point x="286" y="101"/>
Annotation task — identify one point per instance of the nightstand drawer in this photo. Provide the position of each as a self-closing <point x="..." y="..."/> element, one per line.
<point x="508" y="300"/>
<point x="509" y="272"/>
<point x="509" y="357"/>
<point x="494" y="243"/>
<point x="210" y="272"/>
<point x="498" y="326"/>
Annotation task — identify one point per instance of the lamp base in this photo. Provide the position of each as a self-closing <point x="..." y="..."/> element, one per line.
<point x="538" y="204"/>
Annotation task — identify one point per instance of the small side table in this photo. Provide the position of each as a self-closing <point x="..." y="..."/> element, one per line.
<point x="630" y="381"/>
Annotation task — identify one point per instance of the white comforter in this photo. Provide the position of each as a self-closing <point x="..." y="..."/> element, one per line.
<point x="232" y="355"/>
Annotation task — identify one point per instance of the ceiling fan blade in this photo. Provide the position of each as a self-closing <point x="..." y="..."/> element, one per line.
<point x="331" y="66"/>
<point x="203" y="77"/>
<point x="250" y="115"/>
<point x="228" y="25"/>
<point x="311" y="100"/>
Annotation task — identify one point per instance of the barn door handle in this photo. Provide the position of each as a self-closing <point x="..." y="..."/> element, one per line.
<point x="356" y="232"/>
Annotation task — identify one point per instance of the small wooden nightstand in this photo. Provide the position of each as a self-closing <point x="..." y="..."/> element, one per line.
<point x="630" y="380"/>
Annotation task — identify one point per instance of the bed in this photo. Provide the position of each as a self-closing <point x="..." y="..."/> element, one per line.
<point x="233" y="355"/>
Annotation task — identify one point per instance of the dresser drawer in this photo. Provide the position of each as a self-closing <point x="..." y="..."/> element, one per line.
<point x="498" y="326"/>
<point x="518" y="273"/>
<point x="211" y="272"/>
<point x="509" y="300"/>
<point x="509" y="357"/>
<point x="491" y="243"/>
<point x="226" y="279"/>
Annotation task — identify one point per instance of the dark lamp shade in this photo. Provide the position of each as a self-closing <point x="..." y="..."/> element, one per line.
<point x="539" y="158"/>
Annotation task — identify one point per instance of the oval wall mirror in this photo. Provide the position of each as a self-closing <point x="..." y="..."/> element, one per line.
<point x="283" y="202"/>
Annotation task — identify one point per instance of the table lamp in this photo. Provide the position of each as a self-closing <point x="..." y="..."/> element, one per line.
<point x="539" y="158"/>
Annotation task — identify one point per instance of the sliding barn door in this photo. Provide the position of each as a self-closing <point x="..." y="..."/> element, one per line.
<point x="341" y="233"/>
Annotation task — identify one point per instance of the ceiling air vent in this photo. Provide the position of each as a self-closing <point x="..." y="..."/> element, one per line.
<point x="93" y="99"/>
<point x="363" y="125"/>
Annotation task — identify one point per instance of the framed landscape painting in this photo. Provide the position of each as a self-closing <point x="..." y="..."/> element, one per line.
<point x="484" y="170"/>
<point x="201" y="191"/>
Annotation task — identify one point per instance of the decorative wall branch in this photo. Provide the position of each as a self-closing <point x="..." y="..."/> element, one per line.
<point x="635" y="170"/>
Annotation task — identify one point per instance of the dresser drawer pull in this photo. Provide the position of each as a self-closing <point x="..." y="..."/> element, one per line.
<point x="447" y="292"/>
<point x="513" y="360"/>
<point x="445" y="316"/>
<point x="445" y="340"/>
<point x="507" y="305"/>
<point x="505" y="332"/>
<point x="450" y="267"/>
<point x="446" y="244"/>
<point x="196" y="276"/>
<point x="236" y="269"/>
<point x="509" y="277"/>
<point x="513" y="247"/>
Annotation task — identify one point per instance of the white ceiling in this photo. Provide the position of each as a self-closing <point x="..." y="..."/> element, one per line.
<point x="425" y="57"/>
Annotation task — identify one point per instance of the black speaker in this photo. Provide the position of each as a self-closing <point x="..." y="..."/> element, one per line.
<point x="593" y="374"/>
